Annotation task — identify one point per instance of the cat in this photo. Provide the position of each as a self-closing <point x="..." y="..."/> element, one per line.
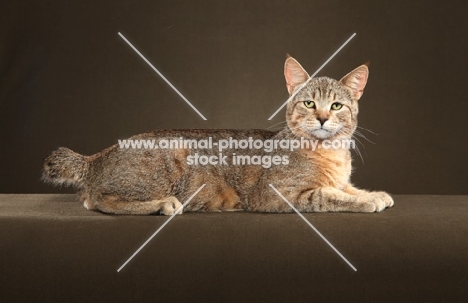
<point x="144" y="181"/>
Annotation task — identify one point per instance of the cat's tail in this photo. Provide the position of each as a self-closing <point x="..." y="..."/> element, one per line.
<point x="65" y="167"/>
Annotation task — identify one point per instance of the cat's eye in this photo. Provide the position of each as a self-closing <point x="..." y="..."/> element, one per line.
<point x="309" y="104"/>
<point x="336" y="106"/>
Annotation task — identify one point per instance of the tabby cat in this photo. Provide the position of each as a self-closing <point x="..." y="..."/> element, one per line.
<point x="144" y="181"/>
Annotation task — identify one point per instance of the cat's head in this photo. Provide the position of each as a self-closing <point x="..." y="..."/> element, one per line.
<point x="324" y="108"/>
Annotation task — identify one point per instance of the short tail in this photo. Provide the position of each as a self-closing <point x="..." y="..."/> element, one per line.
<point x="65" y="167"/>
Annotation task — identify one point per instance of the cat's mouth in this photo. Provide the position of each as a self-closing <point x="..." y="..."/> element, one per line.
<point x="322" y="133"/>
<point x="319" y="132"/>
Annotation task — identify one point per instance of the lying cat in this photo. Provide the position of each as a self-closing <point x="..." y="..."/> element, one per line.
<point x="143" y="181"/>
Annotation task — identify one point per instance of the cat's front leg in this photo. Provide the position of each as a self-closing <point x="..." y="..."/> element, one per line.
<point x="330" y="199"/>
<point x="382" y="199"/>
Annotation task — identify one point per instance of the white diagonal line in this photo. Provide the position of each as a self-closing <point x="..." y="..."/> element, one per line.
<point x="313" y="227"/>
<point x="160" y="228"/>
<point x="162" y="76"/>
<point x="316" y="72"/>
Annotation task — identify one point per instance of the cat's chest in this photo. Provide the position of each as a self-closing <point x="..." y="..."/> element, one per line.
<point x="326" y="167"/>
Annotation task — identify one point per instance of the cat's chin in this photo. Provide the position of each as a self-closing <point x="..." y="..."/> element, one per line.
<point x="322" y="134"/>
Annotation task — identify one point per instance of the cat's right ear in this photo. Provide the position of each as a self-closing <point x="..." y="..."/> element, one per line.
<point x="294" y="73"/>
<point x="356" y="80"/>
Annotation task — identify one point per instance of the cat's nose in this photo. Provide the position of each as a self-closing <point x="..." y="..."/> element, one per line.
<point x="322" y="120"/>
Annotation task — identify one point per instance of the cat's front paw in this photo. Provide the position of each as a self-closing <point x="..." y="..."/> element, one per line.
<point x="168" y="208"/>
<point x="386" y="198"/>
<point x="380" y="199"/>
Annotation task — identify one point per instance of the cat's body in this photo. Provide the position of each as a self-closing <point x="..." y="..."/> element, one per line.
<point x="147" y="181"/>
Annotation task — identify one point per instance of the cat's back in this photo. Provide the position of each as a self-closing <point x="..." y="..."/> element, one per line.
<point x="200" y="134"/>
<point x="182" y="142"/>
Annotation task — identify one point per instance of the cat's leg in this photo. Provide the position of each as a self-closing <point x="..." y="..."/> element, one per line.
<point x="387" y="200"/>
<point x="112" y="205"/>
<point x="322" y="199"/>
<point x="330" y="199"/>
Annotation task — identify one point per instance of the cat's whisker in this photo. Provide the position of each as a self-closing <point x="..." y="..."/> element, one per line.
<point x="365" y="151"/>
<point x="359" y="141"/>
<point x="282" y="122"/>
<point x="374" y="133"/>
<point x="358" y="133"/>
<point x="291" y="136"/>
<point x="358" y="151"/>
<point x="345" y="133"/>
<point x="296" y="128"/>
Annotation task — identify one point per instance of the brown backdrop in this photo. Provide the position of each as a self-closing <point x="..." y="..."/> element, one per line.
<point x="68" y="79"/>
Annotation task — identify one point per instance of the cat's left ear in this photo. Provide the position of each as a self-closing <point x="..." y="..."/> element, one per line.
<point x="356" y="80"/>
<point x="294" y="74"/>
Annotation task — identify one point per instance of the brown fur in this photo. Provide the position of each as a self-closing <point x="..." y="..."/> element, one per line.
<point x="150" y="181"/>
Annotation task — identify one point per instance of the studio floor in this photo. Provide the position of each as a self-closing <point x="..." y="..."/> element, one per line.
<point x="54" y="250"/>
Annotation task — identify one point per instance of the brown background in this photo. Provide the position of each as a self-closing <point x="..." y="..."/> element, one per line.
<point x="68" y="79"/>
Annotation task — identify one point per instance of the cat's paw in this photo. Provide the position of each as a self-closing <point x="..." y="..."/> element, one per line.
<point x="169" y="207"/>
<point x="380" y="199"/>
<point x="386" y="198"/>
<point x="367" y="207"/>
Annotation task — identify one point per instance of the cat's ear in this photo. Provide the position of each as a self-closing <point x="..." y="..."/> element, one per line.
<point x="356" y="81"/>
<point x="294" y="73"/>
